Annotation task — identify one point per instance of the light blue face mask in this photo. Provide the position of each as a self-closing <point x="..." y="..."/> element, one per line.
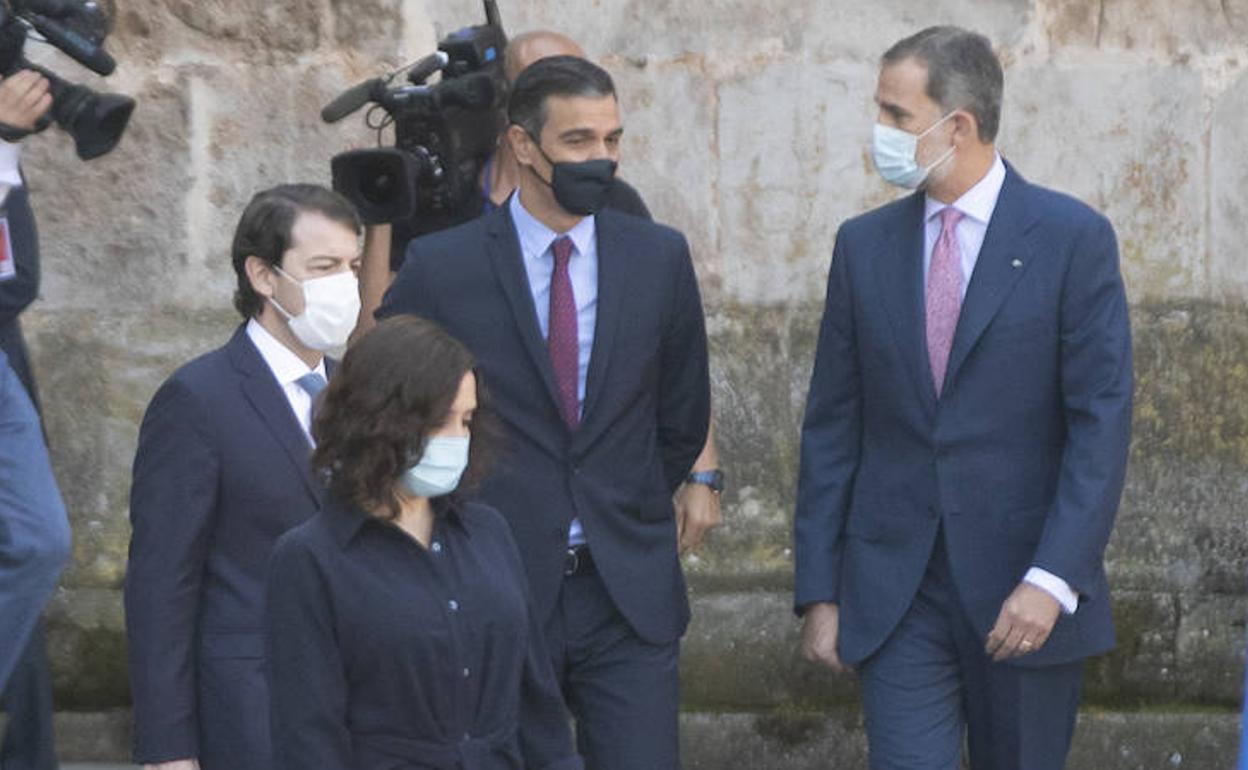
<point x="893" y="151"/>
<point x="441" y="465"/>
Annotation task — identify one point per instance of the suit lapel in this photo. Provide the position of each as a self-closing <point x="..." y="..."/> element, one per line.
<point x="899" y="271"/>
<point x="508" y="261"/>
<point x="1003" y="259"/>
<point x="266" y="397"/>
<point x="611" y="276"/>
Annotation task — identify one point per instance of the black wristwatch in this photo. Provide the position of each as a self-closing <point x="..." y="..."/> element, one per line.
<point x="712" y="478"/>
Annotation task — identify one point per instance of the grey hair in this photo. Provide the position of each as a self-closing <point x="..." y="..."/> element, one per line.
<point x="963" y="73"/>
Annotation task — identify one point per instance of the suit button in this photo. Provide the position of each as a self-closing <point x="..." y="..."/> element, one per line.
<point x="453" y="605"/>
<point x="467" y="672"/>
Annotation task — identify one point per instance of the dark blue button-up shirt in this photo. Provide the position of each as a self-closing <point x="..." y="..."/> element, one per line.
<point x="382" y="653"/>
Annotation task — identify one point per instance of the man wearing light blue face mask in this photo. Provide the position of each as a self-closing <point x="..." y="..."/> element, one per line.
<point x="221" y="471"/>
<point x="966" y="434"/>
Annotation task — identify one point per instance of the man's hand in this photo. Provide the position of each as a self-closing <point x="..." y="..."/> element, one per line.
<point x="24" y="98"/>
<point x="177" y="764"/>
<point x="819" y="633"/>
<point x="697" y="512"/>
<point x="1025" y="622"/>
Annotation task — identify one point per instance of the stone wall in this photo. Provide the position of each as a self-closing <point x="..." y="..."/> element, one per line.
<point x="747" y="127"/>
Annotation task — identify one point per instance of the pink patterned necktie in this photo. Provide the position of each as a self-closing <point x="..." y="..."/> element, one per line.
<point x="561" y="336"/>
<point x="944" y="294"/>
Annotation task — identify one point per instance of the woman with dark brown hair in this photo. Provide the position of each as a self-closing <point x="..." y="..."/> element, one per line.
<point x="399" y="632"/>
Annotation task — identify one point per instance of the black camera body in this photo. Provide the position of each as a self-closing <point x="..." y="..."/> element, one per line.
<point x="443" y="132"/>
<point x="94" y="120"/>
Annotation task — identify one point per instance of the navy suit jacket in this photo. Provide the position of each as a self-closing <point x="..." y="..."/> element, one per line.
<point x="1021" y="459"/>
<point x="18" y="291"/>
<point x="220" y="473"/>
<point x="644" y="419"/>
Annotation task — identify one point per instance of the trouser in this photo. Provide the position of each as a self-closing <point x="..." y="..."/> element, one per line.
<point x="623" y="691"/>
<point x="27" y="701"/>
<point x="931" y="685"/>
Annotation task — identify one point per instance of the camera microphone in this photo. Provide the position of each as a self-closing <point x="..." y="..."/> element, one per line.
<point x="353" y="98"/>
<point x="83" y="50"/>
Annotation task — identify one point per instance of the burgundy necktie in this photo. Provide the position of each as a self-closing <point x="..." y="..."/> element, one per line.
<point x="944" y="294"/>
<point x="561" y="337"/>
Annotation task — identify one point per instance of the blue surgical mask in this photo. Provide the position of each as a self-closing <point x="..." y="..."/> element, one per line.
<point x="441" y="465"/>
<point x="893" y="151"/>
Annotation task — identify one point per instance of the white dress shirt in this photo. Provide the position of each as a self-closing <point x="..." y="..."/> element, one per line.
<point x="977" y="205"/>
<point x="539" y="265"/>
<point x="10" y="168"/>
<point x="287" y="368"/>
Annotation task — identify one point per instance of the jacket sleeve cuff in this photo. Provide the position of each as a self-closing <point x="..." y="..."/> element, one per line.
<point x="1054" y="586"/>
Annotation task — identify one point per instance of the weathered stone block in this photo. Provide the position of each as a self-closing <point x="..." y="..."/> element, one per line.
<point x="112" y="231"/>
<point x="87" y="649"/>
<point x="1161" y="27"/>
<point x="1134" y="157"/>
<point x="1228" y="146"/>
<point x="741" y="652"/>
<point x="1210" y="648"/>
<point x="735" y="30"/>
<point x="1143" y="667"/>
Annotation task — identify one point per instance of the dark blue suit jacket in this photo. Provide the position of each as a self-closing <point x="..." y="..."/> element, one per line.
<point x="645" y="415"/>
<point x="1021" y="459"/>
<point x="220" y="473"/>
<point x="18" y="291"/>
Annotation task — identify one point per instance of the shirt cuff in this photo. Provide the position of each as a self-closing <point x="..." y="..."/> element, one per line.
<point x="1054" y="586"/>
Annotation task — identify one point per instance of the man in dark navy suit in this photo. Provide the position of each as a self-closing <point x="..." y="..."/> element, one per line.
<point x="220" y="473"/>
<point x="587" y="325"/>
<point x="965" y="439"/>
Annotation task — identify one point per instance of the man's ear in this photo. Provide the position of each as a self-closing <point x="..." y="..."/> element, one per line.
<point x="965" y="128"/>
<point x="522" y="145"/>
<point x="261" y="275"/>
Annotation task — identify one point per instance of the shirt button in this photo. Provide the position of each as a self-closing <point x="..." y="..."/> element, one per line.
<point x="454" y="605"/>
<point x="467" y="673"/>
<point x="436" y="547"/>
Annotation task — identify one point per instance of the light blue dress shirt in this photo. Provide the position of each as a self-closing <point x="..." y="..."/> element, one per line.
<point x="539" y="265"/>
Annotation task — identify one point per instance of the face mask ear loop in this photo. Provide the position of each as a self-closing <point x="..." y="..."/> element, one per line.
<point x="538" y="144"/>
<point x="947" y="153"/>
<point x="273" y="299"/>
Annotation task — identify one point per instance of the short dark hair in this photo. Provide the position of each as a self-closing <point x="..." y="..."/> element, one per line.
<point x="553" y="76"/>
<point x="395" y="386"/>
<point x="963" y="73"/>
<point x="264" y="230"/>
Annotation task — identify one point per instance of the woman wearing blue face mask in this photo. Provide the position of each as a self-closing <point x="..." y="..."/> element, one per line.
<point x="398" y="625"/>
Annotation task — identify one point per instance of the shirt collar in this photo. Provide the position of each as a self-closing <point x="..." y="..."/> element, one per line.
<point x="535" y="237"/>
<point x="978" y="202"/>
<point x="346" y="520"/>
<point x="285" y="365"/>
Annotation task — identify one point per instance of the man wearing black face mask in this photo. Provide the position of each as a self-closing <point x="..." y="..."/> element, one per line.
<point x="588" y="327"/>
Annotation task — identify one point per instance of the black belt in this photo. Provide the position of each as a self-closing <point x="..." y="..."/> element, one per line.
<point x="578" y="561"/>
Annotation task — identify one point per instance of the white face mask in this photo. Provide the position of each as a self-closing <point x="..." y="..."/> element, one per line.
<point x="331" y="307"/>
<point x="894" y="150"/>
<point x="441" y="465"/>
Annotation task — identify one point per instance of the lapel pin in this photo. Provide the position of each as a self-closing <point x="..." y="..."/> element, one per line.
<point x="1017" y="263"/>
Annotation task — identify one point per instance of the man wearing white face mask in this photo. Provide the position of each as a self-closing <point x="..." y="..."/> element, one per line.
<point x="221" y="471"/>
<point x="965" y="439"/>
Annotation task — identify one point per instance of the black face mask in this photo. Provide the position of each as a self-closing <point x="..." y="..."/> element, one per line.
<point x="580" y="188"/>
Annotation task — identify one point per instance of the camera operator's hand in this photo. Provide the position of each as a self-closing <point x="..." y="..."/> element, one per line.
<point x="24" y="99"/>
